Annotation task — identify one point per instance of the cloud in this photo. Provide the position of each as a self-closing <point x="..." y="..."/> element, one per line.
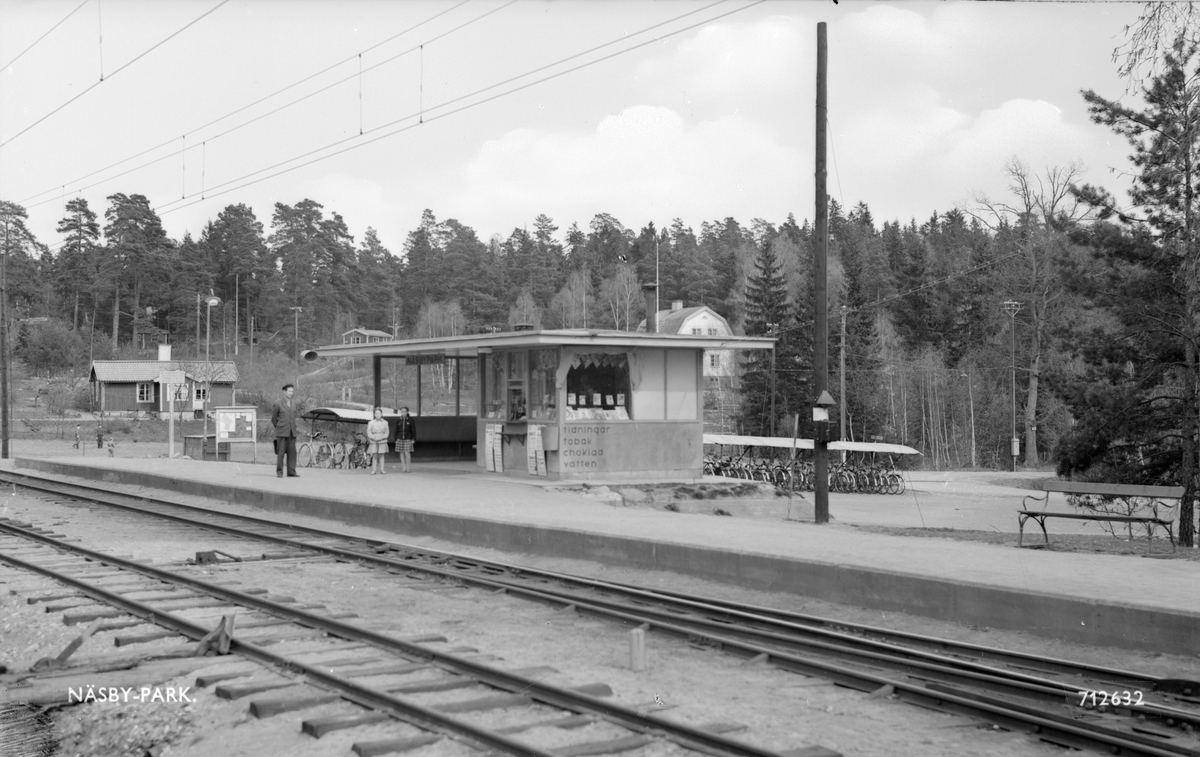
<point x="729" y="68"/>
<point x="642" y="164"/>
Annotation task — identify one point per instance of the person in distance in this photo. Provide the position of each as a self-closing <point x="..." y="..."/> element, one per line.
<point x="283" y="420"/>
<point x="377" y="436"/>
<point x="406" y="437"/>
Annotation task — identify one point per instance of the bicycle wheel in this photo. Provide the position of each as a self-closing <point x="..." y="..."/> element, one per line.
<point x="324" y="455"/>
<point x="338" y="452"/>
<point x="305" y="456"/>
<point x="896" y="483"/>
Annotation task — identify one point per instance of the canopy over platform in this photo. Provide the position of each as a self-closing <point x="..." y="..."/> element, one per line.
<point x="342" y="414"/>
<point x="788" y="443"/>
<point x="471" y="345"/>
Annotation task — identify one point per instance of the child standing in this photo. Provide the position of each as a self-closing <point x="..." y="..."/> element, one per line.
<point x="406" y="437"/>
<point x="377" y="435"/>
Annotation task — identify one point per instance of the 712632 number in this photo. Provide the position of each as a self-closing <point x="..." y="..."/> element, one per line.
<point x="1106" y="698"/>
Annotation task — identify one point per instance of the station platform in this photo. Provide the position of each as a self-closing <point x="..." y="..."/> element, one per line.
<point x="1122" y="601"/>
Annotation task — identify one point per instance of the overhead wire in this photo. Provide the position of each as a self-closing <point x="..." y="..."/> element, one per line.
<point x="114" y="73"/>
<point x="164" y="209"/>
<point x="47" y="34"/>
<point x="27" y="202"/>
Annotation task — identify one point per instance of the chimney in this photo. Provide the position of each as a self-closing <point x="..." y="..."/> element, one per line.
<point x="676" y="305"/>
<point x="164" y="353"/>
<point x="650" y="293"/>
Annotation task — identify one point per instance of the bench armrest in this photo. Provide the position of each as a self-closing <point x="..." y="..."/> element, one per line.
<point x="1044" y="500"/>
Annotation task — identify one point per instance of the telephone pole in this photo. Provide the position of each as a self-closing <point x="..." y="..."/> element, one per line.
<point x="820" y="303"/>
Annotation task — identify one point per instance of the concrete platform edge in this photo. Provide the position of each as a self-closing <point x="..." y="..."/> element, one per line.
<point x="1041" y="614"/>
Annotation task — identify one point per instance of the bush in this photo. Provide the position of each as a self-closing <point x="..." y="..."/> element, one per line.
<point x="50" y="348"/>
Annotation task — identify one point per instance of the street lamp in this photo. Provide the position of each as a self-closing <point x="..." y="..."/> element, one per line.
<point x="296" y="311"/>
<point x="820" y="416"/>
<point x="773" y="331"/>
<point x="1012" y="307"/>
<point x="211" y="301"/>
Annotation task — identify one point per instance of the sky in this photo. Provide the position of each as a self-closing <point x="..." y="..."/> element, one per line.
<point x="493" y="112"/>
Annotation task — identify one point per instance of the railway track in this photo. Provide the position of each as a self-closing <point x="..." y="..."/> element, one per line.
<point x="351" y="654"/>
<point x="1019" y="691"/>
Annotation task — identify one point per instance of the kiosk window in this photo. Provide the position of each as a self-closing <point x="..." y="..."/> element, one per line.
<point x="495" y="386"/>
<point x="598" y="387"/>
<point x="543" y="387"/>
<point x="518" y="370"/>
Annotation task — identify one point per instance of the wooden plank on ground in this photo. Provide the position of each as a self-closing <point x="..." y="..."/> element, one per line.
<point x="265" y="708"/>
<point x="392" y="746"/>
<point x="318" y="727"/>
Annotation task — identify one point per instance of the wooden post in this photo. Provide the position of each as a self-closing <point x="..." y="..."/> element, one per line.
<point x="377" y="375"/>
<point x="820" y="253"/>
<point x="637" y="649"/>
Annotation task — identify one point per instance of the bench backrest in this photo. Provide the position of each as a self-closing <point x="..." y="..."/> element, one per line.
<point x="1112" y="490"/>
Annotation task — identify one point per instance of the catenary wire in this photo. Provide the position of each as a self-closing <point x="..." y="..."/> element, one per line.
<point x="27" y="202"/>
<point x="164" y="209"/>
<point x="47" y="34"/>
<point x="114" y="73"/>
<point x="383" y="126"/>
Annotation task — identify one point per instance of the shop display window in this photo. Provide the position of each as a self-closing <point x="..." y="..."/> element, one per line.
<point x="518" y="367"/>
<point x="543" y="385"/>
<point x="495" y="386"/>
<point x="598" y="387"/>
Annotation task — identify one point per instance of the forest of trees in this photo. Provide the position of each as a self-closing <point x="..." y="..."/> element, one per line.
<point x="1101" y="340"/>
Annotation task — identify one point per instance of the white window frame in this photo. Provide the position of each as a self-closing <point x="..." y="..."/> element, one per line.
<point x="696" y="331"/>
<point x="356" y="339"/>
<point x="145" y="391"/>
<point x="714" y="360"/>
<point x="201" y="393"/>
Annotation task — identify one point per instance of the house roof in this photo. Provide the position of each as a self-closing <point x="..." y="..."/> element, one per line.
<point x="131" y="371"/>
<point x="368" y="332"/>
<point x="671" y="321"/>
<point x="470" y="345"/>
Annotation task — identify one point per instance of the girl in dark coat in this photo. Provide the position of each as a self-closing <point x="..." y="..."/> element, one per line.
<point x="406" y="435"/>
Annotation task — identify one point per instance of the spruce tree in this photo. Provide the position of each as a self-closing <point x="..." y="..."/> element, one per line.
<point x="768" y="311"/>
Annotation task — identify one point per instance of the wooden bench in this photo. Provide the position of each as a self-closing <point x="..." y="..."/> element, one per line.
<point x="1103" y="490"/>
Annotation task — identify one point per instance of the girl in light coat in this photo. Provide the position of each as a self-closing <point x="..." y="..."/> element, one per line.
<point x="377" y="436"/>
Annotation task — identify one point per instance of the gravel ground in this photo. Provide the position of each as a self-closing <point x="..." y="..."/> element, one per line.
<point x="699" y="685"/>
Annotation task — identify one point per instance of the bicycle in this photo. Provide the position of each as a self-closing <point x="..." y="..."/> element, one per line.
<point x="357" y="457"/>
<point x="315" y="452"/>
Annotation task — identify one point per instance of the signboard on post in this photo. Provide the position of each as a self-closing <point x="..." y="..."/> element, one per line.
<point x="237" y="425"/>
<point x="168" y="381"/>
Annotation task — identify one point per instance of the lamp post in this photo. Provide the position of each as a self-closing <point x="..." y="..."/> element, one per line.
<point x="772" y="330"/>
<point x="210" y="301"/>
<point x="820" y="415"/>
<point x="1012" y="307"/>
<point x="296" y="311"/>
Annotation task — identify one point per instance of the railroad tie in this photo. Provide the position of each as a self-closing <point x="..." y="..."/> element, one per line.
<point x="265" y="708"/>
<point x="318" y="727"/>
<point x="392" y="746"/>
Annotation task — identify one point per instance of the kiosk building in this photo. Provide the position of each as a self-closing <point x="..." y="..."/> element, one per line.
<point x="576" y="404"/>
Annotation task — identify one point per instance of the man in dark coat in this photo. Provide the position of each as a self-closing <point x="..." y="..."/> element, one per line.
<point x="283" y="419"/>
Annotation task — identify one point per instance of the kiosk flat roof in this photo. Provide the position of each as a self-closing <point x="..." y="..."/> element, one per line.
<point x="472" y="344"/>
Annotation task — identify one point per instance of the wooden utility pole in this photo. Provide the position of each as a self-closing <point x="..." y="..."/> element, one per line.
<point x="4" y="404"/>
<point x="820" y="317"/>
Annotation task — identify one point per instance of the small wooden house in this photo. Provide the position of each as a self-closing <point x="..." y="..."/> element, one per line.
<point x="365" y="336"/>
<point x="132" y="386"/>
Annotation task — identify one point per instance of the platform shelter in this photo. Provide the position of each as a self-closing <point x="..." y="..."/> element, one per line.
<point x="576" y="404"/>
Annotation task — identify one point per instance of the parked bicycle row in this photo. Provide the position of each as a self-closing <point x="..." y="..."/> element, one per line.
<point x="799" y="475"/>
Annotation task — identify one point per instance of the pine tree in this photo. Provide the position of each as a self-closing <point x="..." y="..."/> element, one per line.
<point x="768" y="312"/>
